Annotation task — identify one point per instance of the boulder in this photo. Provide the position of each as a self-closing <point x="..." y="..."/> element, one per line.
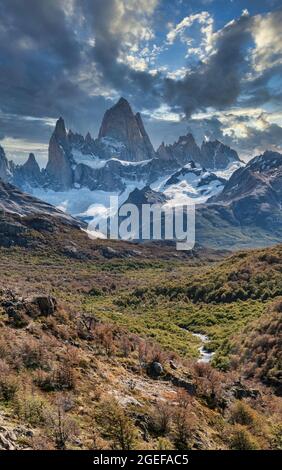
<point x="155" y="369"/>
<point x="41" y="305"/>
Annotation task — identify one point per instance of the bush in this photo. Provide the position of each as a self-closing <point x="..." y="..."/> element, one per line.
<point x="8" y="387"/>
<point x="241" y="439"/>
<point x="117" y="426"/>
<point x="184" y="424"/>
<point x="242" y="413"/>
<point x="61" y="378"/>
<point x="161" y="419"/>
<point x="62" y="428"/>
<point x="31" y="408"/>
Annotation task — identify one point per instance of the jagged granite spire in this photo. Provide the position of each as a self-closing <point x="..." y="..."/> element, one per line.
<point x="59" y="163"/>
<point x="216" y="155"/>
<point x="121" y="125"/>
<point x="4" y="165"/>
<point x="28" y="175"/>
<point x="182" y="151"/>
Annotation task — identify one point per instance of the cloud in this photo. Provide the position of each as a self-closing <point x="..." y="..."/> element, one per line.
<point x="121" y="30"/>
<point x="216" y="82"/>
<point x="198" y="40"/>
<point x="250" y="132"/>
<point x="267" y="33"/>
<point x="74" y="57"/>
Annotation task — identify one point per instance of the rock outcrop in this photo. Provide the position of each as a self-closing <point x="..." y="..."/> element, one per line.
<point x="120" y="126"/>
<point x="59" y="166"/>
<point x="212" y="155"/>
<point x="247" y="212"/>
<point x="28" y="174"/>
<point x="145" y="196"/>
<point x="183" y="151"/>
<point x="215" y="155"/>
<point x="4" y="165"/>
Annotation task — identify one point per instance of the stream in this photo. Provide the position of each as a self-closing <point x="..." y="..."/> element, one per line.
<point x="205" y="356"/>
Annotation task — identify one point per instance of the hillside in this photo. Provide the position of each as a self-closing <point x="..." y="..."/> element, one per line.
<point x="89" y="342"/>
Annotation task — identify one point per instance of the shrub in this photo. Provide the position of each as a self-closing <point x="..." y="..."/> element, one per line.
<point x="32" y="354"/>
<point x="8" y="387"/>
<point x="62" y="428"/>
<point x="61" y="378"/>
<point x="242" y="439"/>
<point x="161" y="419"/>
<point x="276" y="437"/>
<point x="184" y="423"/>
<point x="31" y="408"/>
<point x="242" y="413"/>
<point x="117" y="426"/>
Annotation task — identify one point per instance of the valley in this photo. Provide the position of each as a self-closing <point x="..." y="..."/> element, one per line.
<point x="115" y="318"/>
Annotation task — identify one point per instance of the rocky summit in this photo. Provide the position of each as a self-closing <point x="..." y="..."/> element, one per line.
<point x="122" y="154"/>
<point x="216" y="155"/>
<point x="212" y="155"/>
<point x="58" y="168"/>
<point x="182" y="151"/>
<point x="120" y="125"/>
<point x="4" y="166"/>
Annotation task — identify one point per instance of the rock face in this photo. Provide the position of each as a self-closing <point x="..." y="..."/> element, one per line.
<point x="14" y="201"/>
<point x="122" y="127"/>
<point x="145" y="196"/>
<point x="183" y="151"/>
<point x="202" y="181"/>
<point x="248" y="210"/>
<point x="260" y="182"/>
<point x="59" y="169"/>
<point x="4" y="165"/>
<point x="28" y="174"/>
<point x="216" y="156"/>
<point x="212" y="155"/>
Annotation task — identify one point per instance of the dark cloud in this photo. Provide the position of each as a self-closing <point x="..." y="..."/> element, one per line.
<point x="257" y="140"/>
<point x="53" y="59"/>
<point x="216" y="83"/>
<point x="40" y="58"/>
<point x="253" y="141"/>
<point x="17" y="127"/>
<point x="140" y="87"/>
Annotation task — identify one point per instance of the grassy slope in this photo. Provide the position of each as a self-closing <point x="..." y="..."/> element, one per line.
<point x="152" y="296"/>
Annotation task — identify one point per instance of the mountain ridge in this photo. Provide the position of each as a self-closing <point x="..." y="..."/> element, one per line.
<point x="77" y="161"/>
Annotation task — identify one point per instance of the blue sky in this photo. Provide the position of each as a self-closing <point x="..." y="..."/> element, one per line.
<point x="212" y="67"/>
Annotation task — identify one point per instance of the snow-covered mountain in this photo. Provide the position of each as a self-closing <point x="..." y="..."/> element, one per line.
<point x="237" y="205"/>
<point x="121" y="154"/>
<point x="82" y="172"/>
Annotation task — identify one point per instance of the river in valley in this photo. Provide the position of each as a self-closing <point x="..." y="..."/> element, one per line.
<point x="205" y="356"/>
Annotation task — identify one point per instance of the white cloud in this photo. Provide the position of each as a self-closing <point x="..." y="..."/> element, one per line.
<point x="267" y="34"/>
<point x="203" y="38"/>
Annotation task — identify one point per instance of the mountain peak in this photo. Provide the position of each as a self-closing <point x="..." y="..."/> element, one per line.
<point x="88" y="138"/>
<point x="123" y="102"/>
<point x="121" y="125"/>
<point x="31" y="163"/>
<point x="58" y="167"/>
<point x="4" y="165"/>
<point x="31" y="158"/>
<point x="145" y="195"/>
<point x="60" y="129"/>
<point x="216" y="155"/>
